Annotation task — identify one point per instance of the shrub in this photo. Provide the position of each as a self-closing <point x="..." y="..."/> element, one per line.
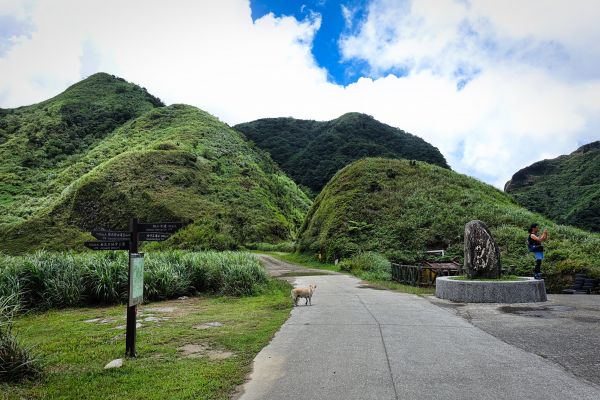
<point x="368" y="265"/>
<point x="16" y="361"/>
<point x="50" y="280"/>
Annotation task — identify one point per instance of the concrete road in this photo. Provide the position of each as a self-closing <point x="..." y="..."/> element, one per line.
<point x="565" y="329"/>
<point x="360" y="343"/>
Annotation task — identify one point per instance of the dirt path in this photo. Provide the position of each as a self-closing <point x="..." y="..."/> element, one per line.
<point x="278" y="268"/>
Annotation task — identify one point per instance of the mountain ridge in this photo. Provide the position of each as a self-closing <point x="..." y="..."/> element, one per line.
<point x="566" y="188"/>
<point x="311" y="152"/>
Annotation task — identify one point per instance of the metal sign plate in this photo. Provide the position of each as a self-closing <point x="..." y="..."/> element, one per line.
<point x="112" y="245"/>
<point x="136" y="279"/>
<point x="163" y="227"/>
<point x="153" y="236"/>
<point x="111" y="235"/>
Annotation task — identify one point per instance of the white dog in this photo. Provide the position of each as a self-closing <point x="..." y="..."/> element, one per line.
<point x="303" y="292"/>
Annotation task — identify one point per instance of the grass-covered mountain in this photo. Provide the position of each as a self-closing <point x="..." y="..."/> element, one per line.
<point x="401" y="208"/>
<point x="37" y="142"/>
<point x="311" y="152"/>
<point x="174" y="163"/>
<point x="566" y="189"/>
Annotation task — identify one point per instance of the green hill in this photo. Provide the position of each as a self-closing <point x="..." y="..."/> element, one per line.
<point x="37" y="142"/>
<point x="311" y="152"/>
<point x="566" y="189"/>
<point x="172" y="163"/>
<point x="402" y="208"/>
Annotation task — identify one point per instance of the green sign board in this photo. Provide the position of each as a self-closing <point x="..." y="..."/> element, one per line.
<point x="136" y="279"/>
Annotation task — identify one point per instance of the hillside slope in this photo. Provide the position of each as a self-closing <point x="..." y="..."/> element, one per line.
<point x="37" y="142"/>
<point x="173" y="163"/>
<point x="311" y="152"/>
<point x="566" y="189"/>
<point x="402" y="208"/>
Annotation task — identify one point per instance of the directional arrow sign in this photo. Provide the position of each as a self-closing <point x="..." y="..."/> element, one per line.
<point x="162" y="227"/>
<point x="153" y="236"/>
<point x="111" y="235"/>
<point x="113" y="245"/>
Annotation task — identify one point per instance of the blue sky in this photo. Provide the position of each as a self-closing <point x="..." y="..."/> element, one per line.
<point x="325" y="46"/>
<point x="495" y="85"/>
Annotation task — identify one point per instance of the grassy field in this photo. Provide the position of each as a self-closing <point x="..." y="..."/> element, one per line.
<point x="74" y="351"/>
<point x="311" y="262"/>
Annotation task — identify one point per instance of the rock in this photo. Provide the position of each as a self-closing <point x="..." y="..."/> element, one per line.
<point x="208" y="325"/>
<point x="118" y="363"/>
<point x="137" y="326"/>
<point x="161" y="309"/>
<point x="89" y="321"/>
<point x="482" y="255"/>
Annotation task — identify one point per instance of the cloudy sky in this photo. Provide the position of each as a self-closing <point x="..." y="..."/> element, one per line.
<point x="495" y="85"/>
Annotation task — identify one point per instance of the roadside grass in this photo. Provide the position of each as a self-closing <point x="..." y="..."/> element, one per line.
<point x="74" y="352"/>
<point x="310" y="262"/>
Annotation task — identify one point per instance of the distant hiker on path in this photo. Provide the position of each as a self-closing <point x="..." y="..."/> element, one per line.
<point x="534" y="243"/>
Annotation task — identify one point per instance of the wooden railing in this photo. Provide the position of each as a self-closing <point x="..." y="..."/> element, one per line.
<point x="423" y="275"/>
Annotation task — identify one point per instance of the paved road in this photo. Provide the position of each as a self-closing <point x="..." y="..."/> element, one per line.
<point x="565" y="329"/>
<point x="361" y="343"/>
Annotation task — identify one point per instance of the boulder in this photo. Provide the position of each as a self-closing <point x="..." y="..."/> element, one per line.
<point x="482" y="255"/>
<point x="118" y="363"/>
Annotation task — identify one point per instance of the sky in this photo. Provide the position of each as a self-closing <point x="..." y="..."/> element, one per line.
<point x="495" y="85"/>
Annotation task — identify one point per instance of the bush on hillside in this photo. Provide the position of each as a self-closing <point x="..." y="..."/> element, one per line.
<point x="368" y="265"/>
<point x="51" y="280"/>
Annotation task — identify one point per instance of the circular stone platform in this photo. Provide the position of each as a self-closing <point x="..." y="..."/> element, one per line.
<point x="525" y="290"/>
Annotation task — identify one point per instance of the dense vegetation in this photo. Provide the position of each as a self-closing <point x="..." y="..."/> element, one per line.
<point x="566" y="189"/>
<point x="402" y="208"/>
<point x="38" y="142"/>
<point x="311" y="152"/>
<point x="53" y="280"/>
<point x="173" y="163"/>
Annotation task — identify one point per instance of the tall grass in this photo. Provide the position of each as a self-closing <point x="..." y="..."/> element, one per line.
<point x="16" y="361"/>
<point x="51" y="280"/>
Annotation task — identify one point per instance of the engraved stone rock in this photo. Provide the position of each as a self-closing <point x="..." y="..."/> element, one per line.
<point x="482" y="255"/>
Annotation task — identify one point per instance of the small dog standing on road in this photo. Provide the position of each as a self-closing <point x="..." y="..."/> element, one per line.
<point x="303" y="292"/>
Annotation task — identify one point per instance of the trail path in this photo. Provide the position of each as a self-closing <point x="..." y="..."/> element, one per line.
<point x="355" y="342"/>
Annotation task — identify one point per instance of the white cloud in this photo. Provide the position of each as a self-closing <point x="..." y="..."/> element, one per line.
<point x="210" y="54"/>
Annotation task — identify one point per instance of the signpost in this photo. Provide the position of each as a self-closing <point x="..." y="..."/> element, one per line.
<point x="111" y="235"/>
<point x="128" y="240"/>
<point x="113" y="245"/>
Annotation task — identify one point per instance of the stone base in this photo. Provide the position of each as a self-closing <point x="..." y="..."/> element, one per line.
<point x="526" y="290"/>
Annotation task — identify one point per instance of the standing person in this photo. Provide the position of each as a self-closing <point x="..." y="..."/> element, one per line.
<point x="534" y="243"/>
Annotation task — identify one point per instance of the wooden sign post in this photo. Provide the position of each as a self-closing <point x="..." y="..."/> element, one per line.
<point x="121" y="240"/>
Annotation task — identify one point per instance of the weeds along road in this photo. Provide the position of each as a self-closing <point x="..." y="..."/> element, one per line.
<point x="356" y="342"/>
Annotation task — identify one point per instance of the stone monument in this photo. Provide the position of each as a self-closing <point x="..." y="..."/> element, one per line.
<point x="482" y="255"/>
<point x="482" y="260"/>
